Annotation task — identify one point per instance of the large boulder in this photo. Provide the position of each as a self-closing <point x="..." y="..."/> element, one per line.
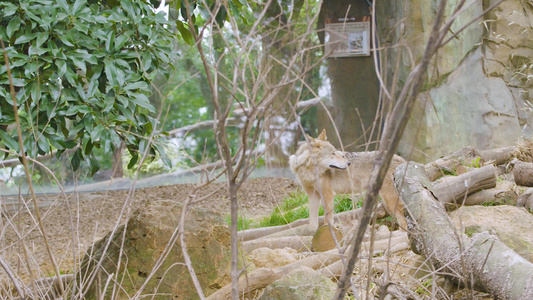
<point x="146" y="237"/>
<point x="470" y="108"/>
<point x="273" y="258"/>
<point x="512" y="225"/>
<point x="302" y="284"/>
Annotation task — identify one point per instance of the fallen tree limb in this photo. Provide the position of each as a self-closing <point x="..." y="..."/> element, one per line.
<point x="453" y="189"/>
<point x="294" y="242"/>
<point x="335" y="269"/>
<point x="481" y="261"/>
<point x="492" y="196"/>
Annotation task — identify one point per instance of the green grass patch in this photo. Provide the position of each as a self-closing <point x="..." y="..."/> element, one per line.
<point x="243" y="223"/>
<point x="294" y="208"/>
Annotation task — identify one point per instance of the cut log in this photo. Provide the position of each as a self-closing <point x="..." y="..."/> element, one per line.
<point x="481" y="261"/>
<point x="452" y="190"/>
<point x="464" y="157"/>
<point x="498" y="156"/>
<point x="526" y="200"/>
<point x="523" y="173"/>
<point x="294" y="242"/>
<point x="494" y="196"/>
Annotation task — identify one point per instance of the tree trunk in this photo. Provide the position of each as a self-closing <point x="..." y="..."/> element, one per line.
<point x="354" y="88"/>
<point x="523" y="173"/>
<point x="481" y="261"/>
<point x="454" y="189"/>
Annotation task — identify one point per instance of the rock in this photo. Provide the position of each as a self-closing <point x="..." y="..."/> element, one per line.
<point x="302" y="284"/>
<point x="273" y="258"/>
<point x="323" y="239"/>
<point x="148" y="232"/>
<point x="509" y="44"/>
<point x="512" y="225"/>
<point x="467" y="109"/>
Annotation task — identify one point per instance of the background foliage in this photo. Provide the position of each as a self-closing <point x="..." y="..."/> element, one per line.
<point x="82" y="73"/>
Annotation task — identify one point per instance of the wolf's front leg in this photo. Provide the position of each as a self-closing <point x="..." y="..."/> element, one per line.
<point x="327" y="196"/>
<point x="314" y="203"/>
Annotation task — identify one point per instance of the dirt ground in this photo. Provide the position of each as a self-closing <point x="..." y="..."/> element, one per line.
<point x="73" y="226"/>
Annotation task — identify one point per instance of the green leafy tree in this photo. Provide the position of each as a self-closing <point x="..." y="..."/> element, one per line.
<point x="82" y="74"/>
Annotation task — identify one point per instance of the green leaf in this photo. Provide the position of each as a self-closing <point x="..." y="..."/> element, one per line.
<point x="93" y="165"/>
<point x="80" y="64"/>
<point x="108" y="104"/>
<point x="96" y="132"/>
<point x="120" y="41"/>
<point x="41" y="38"/>
<point x="13" y="26"/>
<point x="133" y="160"/>
<point x="35" y="91"/>
<point x="76" y="159"/>
<point x="146" y="61"/>
<point x="111" y="73"/>
<point x="110" y="41"/>
<point x="77" y="5"/>
<point x="61" y="67"/>
<point x="185" y="33"/>
<point x="115" y="138"/>
<point x="24" y="38"/>
<point x="138" y="85"/>
<point x="43" y="144"/>
<point x="10" y="142"/>
<point x="161" y="149"/>
<point x="9" y="9"/>
<point x="142" y="101"/>
<point x="88" y="147"/>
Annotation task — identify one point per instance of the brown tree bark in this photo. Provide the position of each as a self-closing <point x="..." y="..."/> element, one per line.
<point x="480" y="261"/>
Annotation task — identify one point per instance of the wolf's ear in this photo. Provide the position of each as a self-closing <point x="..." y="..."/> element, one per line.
<point x="322" y="135"/>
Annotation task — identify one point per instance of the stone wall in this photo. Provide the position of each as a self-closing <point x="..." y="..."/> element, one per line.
<point x="478" y="86"/>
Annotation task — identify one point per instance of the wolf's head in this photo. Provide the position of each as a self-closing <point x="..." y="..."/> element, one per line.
<point x="318" y="153"/>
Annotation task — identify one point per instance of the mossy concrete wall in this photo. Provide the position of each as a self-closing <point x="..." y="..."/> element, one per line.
<point x="478" y="85"/>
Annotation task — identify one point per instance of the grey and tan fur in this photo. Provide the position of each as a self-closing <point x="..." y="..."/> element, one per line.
<point x="322" y="170"/>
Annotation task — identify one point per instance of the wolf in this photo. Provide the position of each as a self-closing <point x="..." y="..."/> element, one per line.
<point x="324" y="171"/>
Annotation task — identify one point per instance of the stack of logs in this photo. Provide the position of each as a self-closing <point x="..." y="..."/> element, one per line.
<point x="480" y="261"/>
<point x="477" y="173"/>
<point x="430" y="233"/>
